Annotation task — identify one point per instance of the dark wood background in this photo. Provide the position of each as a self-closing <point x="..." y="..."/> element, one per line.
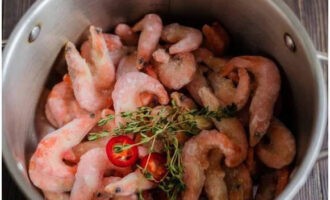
<point x="313" y="15"/>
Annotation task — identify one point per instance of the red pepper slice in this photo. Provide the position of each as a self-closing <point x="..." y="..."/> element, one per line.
<point x="119" y="153"/>
<point x="155" y="166"/>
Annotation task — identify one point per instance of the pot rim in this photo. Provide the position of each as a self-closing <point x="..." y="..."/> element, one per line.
<point x="300" y="175"/>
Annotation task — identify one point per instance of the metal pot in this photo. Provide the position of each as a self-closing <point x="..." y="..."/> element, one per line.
<point x="262" y="27"/>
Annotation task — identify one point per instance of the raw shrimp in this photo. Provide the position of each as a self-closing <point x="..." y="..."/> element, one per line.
<point x="126" y="34"/>
<point x="126" y="94"/>
<point x="47" y="169"/>
<point x="84" y="88"/>
<point x="195" y="161"/>
<point x="227" y="93"/>
<point x="91" y="168"/>
<point x="216" y="64"/>
<point x="215" y="186"/>
<point x="186" y="39"/>
<point x="56" y="196"/>
<point x="278" y="147"/>
<point x="61" y="106"/>
<point x="43" y="127"/>
<point x="183" y="101"/>
<point x="128" y="185"/>
<point x="178" y="71"/>
<point x="201" y="54"/>
<point x="198" y="82"/>
<point x="250" y="162"/>
<point x="239" y="183"/>
<point x="268" y="82"/>
<point x="217" y="40"/>
<point x="151" y="26"/>
<point x="271" y="184"/>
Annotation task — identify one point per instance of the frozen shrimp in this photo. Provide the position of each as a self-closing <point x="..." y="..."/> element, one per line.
<point x="195" y="161"/>
<point x="56" y="195"/>
<point x="216" y="64"/>
<point x="217" y="39"/>
<point x="128" y="185"/>
<point x="61" y="106"/>
<point x="186" y="39"/>
<point x="126" y="34"/>
<point x="126" y="94"/>
<point x="215" y="186"/>
<point x="90" y="171"/>
<point x="268" y="82"/>
<point x="177" y="71"/>
<point x="83" y="83"/>
<point x="47" y="169"/>
<point x="151" y="28"/>
<point x="198" y="82"/>
<point x="183" y="101"/>
<point x="127" y="64"/>
<point x="278" y="147"/>
<point x="239" y="183"/>
<point x="202" y="54"/>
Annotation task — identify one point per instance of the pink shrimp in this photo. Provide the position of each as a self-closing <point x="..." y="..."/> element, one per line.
<point x="186" y="39"/>
<point x="126" y="34"/>
<point x="151" y="26"/>
<point x="90" y="172"/>
<point x="239" y="183"/>
<point x="126" y="94"/>
<point x="202" y="54"/>
<point x="84" y="87"/>
<point x="217" y="39"/>
<point x="61" y="106"/>
<point x="46" y="169"/>
<point x="127" y="64"/>
<point x="278" y="148"/>
<point x="177" y="71"/>
<point x="116" y="50"/>
<point x="227" y="93"/>
<point x="198" y="82"/>
<point x="129" y="185"/>
<point x="56" y="195"/>
<point x="216" y="64"/>
<point x="215" y="186"/>
<point x="42" y="125"/>
<point x="195" y="162"/>
<point x="268" y="86"/>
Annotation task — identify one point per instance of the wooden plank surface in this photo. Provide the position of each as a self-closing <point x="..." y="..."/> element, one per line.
<point x="313" y="15"/>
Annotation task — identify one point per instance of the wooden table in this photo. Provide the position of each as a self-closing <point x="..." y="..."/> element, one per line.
<point x="312" y="14"/>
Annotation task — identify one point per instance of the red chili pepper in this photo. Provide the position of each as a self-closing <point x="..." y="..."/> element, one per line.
<point x="120" y="153"/>
<point x="155" y="166"/>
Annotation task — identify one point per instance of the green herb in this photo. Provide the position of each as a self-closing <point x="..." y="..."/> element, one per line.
<point x="162" y="124"/>
<point x="95" y="136"/>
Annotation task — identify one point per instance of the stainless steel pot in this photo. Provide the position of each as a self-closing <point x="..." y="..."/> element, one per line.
<point x="264" y="26"/>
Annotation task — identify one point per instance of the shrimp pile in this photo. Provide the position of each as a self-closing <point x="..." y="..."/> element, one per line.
<point x="164" y="111"/>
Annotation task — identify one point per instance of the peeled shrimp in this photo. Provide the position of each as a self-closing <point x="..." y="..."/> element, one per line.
<point x="216" y="64"/>
<point x="278" y="147"/>
<point x="195" y="161"/>
<point x="183" y="101"/>
<point x="126" y="34"/>
<point x="177" y="71"/>
<point x="129" y="185"/>
<point x="198" y="82"/>
<point x="84" y="87"/>
<point x="127" y="64"/>
<point x="239" y="183"/>
<point x="217" y="39"/>
<point x="61" y="106"/>
<point x="268" y="86"/>
<point x="47" y="170"/>
<point x="226" y="92"/>
<point x="126" y="94"/>
<point x="90" y="171"/>
<point x="202" y="54"/>
<point x="215" y="186"/>
<point x="186" y="39"/>
<point x="56" y="196"/>
<point x="151" y="26"/>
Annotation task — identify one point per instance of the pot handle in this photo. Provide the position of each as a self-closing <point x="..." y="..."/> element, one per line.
<point x="323" y="57"/>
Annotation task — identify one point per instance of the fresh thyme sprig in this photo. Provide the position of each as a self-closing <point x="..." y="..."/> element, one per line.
<point x="162" y="124"/>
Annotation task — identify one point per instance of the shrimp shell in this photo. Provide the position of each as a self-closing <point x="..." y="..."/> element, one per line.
<point x="186" y="39"/>
<point x="268" y="81"/>
<point x="126" y="34"/>
<point x="195" y="162"/>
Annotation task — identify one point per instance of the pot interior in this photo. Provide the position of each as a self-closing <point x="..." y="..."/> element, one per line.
<point x="256" y="29"/>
